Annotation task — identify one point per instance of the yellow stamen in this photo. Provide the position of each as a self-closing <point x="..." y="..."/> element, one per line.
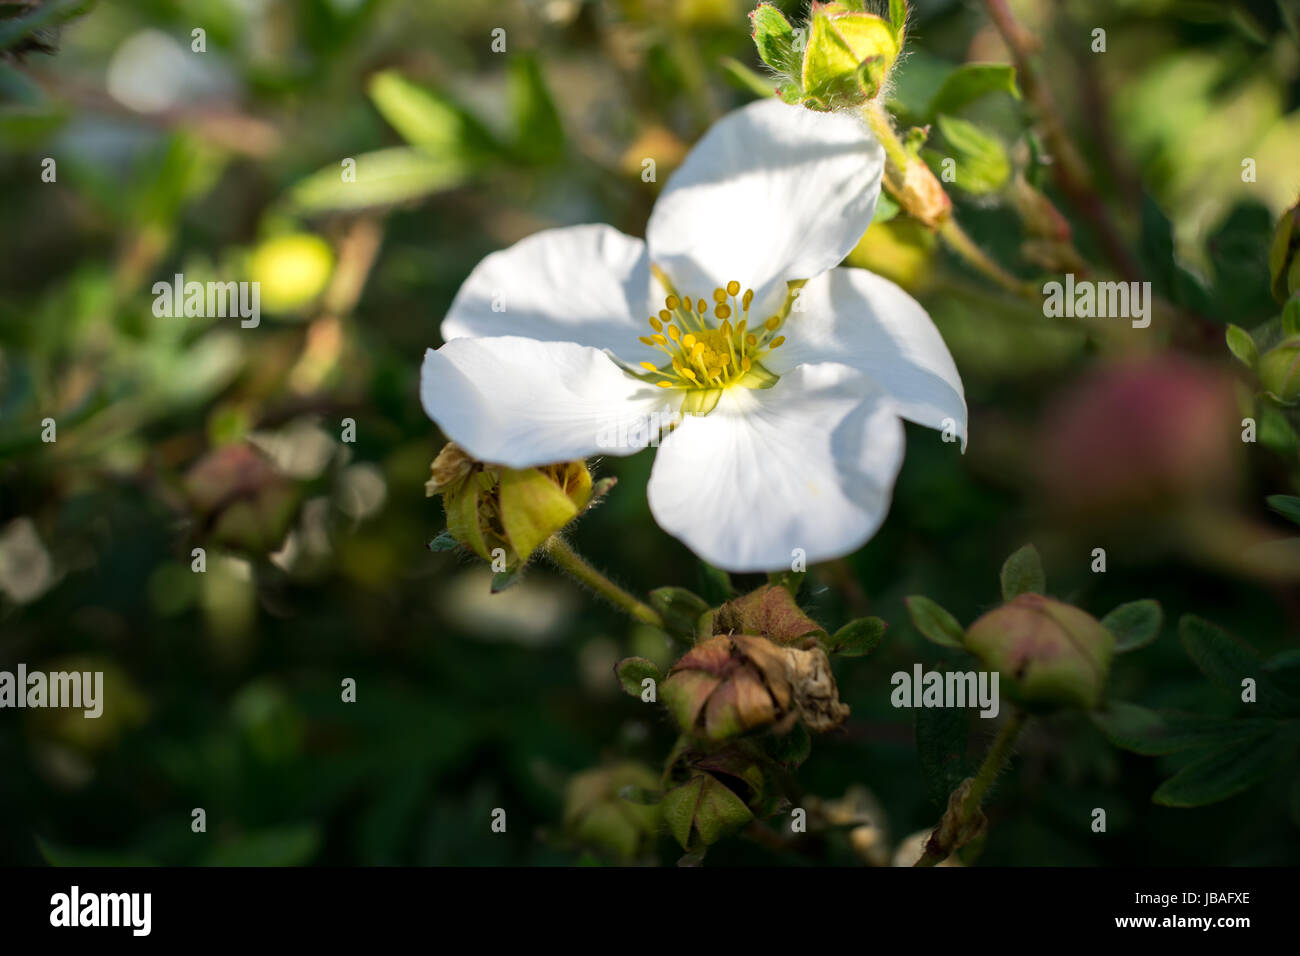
<point x="656" y="324"/>
<point x="776" y="342"/>
<point x="749" y="298"/>
<point x="672" y="302"/>
<point x="650" y="366"/>
<point x="674" y="332"/>
<point x="719" y="295"/>
<point x="733" y="287"/>
<point x="664" y="384"/>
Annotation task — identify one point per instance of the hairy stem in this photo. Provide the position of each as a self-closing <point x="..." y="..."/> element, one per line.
<point x="941" y="843"/>
<point x="573" y="564"/>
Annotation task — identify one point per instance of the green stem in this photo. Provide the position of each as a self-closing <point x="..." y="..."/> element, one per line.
<point x="897" y="161"/>
<point x="572" y="563"/>
<point x="937" y="850"/>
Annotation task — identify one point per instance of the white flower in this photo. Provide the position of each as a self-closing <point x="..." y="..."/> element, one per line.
<point x="792" y="393"/>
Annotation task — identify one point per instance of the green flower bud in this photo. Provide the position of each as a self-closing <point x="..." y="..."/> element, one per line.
<point x="731" y="684"/>
<point x="1048" y="654"/>
<point x="1283" y="261"/>
<point x="492" y="508"/>
<point x="599" y="813"/>
<point x="1279" y="369"/>
<point x="849" y="54"/>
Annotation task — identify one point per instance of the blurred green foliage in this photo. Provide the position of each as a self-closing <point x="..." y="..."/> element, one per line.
<point x="228" y="164"/>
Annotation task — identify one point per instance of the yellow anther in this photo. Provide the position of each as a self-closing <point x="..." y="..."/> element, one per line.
<point x="650" y="366"/>
<point x="751" y="339"/>
<point x="696" y="349"/>
<point x="658" y="340"/>
<point x="665" y="315"/>
<point x="722" y="311"/>
<point x="672" y="302"/>
<point x="687" y="373"/>
<point x="772" y="324"/>
<point x="701" y="306"/>
<point x="726" y="328"/>
<point x="719" y="294"/>
<point x="688" y="340"/>
<point x="733" y="287"/>
<point x="688" y="305"/>
<point x="745" y="364"/>
<point x="740" y="329"/>
<point x="664" y="384"/>
<point x="656" y="324"/>
<point x="776" y="342"/>
<point x="674" y="333"/>
<point x="749" y="298"/>
<point x="645" y="340"/>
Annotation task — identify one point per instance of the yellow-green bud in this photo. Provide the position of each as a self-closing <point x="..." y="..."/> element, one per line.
<point x="600" y="809"/>
<point x="849" y="54"/>
<point x="497" y="511"/>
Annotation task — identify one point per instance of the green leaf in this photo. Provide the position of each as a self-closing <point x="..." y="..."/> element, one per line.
<point x="383" y="178"/>
<point x="680" y="610"/>
<point x="443" y="542"/>
<point x="941" y="740"/>
<point x="1242" y="346"/>
<point x="970" y="82"/>
<point x="857" y="638"/>
<point x="1134" y="625"/>
<point x="539" y="135"/>
<point x="934" y="623"/>
<point x="982" y="165"/>
<point x="715" y="584"/>
<point x="1288" y="506"/>
<point x="631" y="671"/>
<point x="504" y="579"/>
<point x="1152" y="733"/>
<point x="1222" y="773"/>
<point x="427" y="120"/>
<point x="702" y="811"/>
<point x="1284" y="671"/>
<point x="1022" y="573"/>
<point x="774" y="38"/>
<point x="744" y="78"/>
<point x="47" y="14"/>
<point x="790" y="749"/>
<point x="1226" y="661"/>
<point x="886" y="208"/>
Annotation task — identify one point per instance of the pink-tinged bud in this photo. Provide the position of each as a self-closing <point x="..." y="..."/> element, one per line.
<point x="1049" y="654"/>
<point x="1142" y="437"/>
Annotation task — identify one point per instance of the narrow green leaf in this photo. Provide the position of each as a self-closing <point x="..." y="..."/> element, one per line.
<point x="680" y="610"/>
<point x="857" y="638"/>
<point x="1134" y="625"/>
<point x="428" y="120"/>
<point x="898" y="17"/>
<point x="631" y="671"/>
<point x="982" y="165"/>
<point x="1291" y="317"/>
<point x="539" y="134"/>
<point x="934" y="623"/>
<point x="715" y="584"/>
<point x="1288" y="506"/>
<point x="1241" y="345"/>
<point x="47" y="14"/>
<point x="1152" y="733"/>
<point x="1022" y="573"/>
<point x="1222" y="773"/>
<point x="1227" y="661"/>
<point x="746" y="79"/>
<point x="971" y="82"/>
<point x="383" y="178"/>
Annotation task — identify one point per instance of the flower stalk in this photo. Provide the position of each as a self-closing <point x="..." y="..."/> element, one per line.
<point x="910" y="181"/>
<point x="575" y="565"/>
<point x="964" y="808"/>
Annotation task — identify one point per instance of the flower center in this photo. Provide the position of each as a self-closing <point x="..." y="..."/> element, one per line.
<point x="704" y="349"/>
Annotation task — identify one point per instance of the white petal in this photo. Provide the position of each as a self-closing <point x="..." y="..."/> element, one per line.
<point x="809" y="463"/>
<point x="519" y="402"/>
<point x="770" y="193"/>
<point x="585" y="284"/>
<point x="863" y="320"/>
